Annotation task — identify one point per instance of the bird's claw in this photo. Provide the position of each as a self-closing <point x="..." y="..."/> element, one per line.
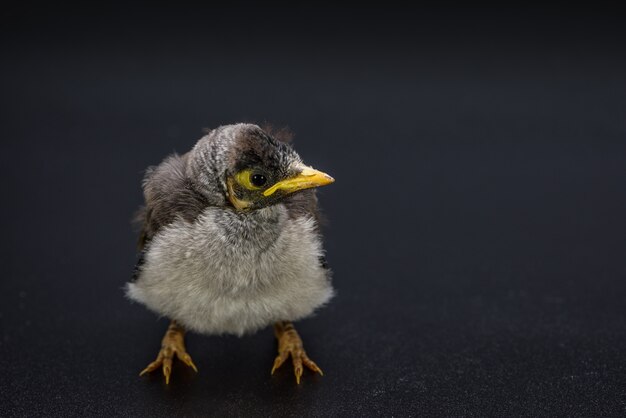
<point x="290" y="344"/>
<point x="172" y="345"/>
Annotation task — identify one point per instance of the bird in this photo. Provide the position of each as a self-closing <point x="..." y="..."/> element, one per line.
<point x="230" y="243"/>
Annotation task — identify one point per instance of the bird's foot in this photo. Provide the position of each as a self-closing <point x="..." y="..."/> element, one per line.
<point x="173" y="343"/>
<point x="290" y="343"/>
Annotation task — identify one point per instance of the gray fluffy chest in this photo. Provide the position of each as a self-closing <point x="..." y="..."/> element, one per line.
<point x="231" y="272"/>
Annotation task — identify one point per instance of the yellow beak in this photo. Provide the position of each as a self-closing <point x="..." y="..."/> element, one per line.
<point x="307" y="178"/>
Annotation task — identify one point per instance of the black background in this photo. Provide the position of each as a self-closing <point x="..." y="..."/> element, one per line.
<point x="477" y="228"/>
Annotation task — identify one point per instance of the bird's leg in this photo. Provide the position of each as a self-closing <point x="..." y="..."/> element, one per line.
<point x="173" y="343"/>
<point x="289" y="343"/>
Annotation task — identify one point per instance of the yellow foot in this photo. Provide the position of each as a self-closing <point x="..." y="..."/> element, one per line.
<point x="289" y="343"/>
<point x="173" y="343"/>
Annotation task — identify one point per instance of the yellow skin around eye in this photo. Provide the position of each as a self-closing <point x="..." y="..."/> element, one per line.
<point x="243" y="178"/>
<point x="307" y="178"/>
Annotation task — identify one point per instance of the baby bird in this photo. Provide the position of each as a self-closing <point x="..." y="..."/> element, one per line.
<point x="230" y="243"/>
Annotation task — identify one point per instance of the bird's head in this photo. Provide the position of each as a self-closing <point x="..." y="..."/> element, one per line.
<point x="244" y="166"/>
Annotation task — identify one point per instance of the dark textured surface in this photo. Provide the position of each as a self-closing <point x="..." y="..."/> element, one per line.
<point x="477" y="226"/>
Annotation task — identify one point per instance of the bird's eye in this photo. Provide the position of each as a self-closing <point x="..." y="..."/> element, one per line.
<point x="251" y="180"/>
<point x="258" y="180"/>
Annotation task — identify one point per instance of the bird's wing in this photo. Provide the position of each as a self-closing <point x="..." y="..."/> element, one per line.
<point x="169" y="194"/>
<point x="304" y="203"/>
